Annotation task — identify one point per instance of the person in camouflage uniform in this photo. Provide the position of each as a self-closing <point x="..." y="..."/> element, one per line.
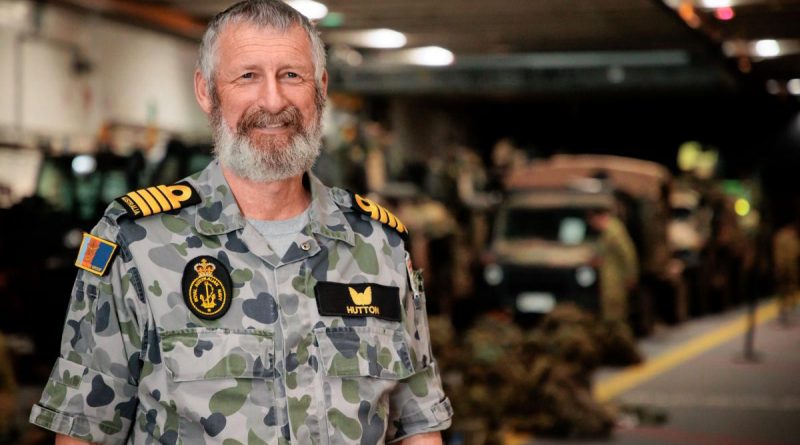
<point x="619" y="273"/>
<point x="619" y="270"/>
<point x="786" y="260"/>
<point x="8" y="393"/>
<point x="188" y="326"/>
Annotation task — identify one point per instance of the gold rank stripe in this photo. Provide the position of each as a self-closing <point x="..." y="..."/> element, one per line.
<point x="145" y="209"/>
<point x="378" y="213"/>
<point x="150" y="200"/>
<point x="162" y="198"/>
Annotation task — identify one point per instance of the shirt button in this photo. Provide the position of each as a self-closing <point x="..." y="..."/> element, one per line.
<point x="305" y="246"/>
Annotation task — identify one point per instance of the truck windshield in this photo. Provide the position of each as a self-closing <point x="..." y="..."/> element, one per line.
<point x="564" y="225"/>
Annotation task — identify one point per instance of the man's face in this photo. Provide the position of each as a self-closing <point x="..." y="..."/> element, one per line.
<point x="266" y="106"/>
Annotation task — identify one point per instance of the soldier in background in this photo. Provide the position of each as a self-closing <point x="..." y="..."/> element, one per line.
<point x="619" y="274"/>
<point x="786" y="256"/>
<point x="8" y="390"/>
<point x="619" y="271"/>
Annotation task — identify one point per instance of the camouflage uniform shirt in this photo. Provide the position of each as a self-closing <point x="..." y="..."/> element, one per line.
<point x="138" y="367"/>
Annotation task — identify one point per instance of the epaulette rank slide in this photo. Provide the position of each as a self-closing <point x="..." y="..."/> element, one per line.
<point x="378" y="213"/>
<point x="163" y="198"/>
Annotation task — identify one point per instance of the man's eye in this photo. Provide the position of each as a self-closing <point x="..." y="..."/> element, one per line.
<point x="247" y="76"/>
<point x="292" y="75"/>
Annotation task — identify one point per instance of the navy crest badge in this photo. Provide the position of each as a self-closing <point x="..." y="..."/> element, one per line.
<point x="207" y="287"/>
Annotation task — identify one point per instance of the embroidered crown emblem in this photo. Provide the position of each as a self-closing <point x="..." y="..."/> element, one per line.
<point x="204" y="268"/>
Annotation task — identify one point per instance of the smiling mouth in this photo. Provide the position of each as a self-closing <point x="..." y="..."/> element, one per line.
<point x="272" y="127"/>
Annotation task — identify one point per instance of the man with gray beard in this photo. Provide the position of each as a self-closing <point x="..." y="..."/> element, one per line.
<point x="248" y="303"/>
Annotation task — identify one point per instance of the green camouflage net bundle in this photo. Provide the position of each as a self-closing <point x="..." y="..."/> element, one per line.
<point x="536" y="382"/>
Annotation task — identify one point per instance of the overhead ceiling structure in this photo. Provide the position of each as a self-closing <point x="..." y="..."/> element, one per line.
<point x="524" y="46"/>
<point x="761" y="36"/>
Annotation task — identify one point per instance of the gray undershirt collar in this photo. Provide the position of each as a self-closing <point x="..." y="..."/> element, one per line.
<point x="280" y="234"/>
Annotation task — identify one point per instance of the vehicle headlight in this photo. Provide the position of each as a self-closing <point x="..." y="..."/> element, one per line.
<point x="585" y="276"/>
<point x="493" y="274"/>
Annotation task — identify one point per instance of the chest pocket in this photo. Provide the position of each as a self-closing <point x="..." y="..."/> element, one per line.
<point x="205" y="354"/>
<point x="362" y="366"/>
<point x="363" y="351"/>
<point x="216" y="375"/>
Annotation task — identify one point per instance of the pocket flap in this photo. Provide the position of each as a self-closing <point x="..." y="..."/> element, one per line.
<point x="353" y="351"/>
<point x="205" y="353"/>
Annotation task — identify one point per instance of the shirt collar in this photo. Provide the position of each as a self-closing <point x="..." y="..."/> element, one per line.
<point x="219" y="213"/>
<point x="327" y="218"/>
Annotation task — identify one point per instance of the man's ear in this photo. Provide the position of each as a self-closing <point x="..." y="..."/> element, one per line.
<point x="324" y="85"/>
<point x="201" y="92"/>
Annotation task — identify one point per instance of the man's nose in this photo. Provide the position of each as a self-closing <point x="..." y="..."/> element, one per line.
<point x="272" y="96"/>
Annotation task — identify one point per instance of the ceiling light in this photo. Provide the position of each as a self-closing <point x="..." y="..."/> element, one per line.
<point x="793" y="87"/>
<point x="724" y="14"/>
<point x="687" y="13"/>
<point x="83" y="165"/>
<point x="381" y="38"/>
<point x="309" y="8"/>
<point x="767" y="48"/>
<point x="713" y="4"/>
<point x="429" y="56"/>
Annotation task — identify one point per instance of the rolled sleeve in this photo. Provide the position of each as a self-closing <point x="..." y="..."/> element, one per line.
<point x="85" y="404"/>
<point x="91" y="393"/>
<point x="418" y="404"/>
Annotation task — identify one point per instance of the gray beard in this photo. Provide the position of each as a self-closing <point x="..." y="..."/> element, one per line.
<point x="239" y="154"/>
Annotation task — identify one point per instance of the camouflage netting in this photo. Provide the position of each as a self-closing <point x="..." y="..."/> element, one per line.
<point x="536" y="382"/>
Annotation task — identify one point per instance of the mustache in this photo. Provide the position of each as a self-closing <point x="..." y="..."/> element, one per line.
<point x="261" y="118"/>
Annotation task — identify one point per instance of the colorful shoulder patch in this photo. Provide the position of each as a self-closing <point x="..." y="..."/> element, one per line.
<point x="378" y="213"/>
<point x="163" y="198"/>
<point x="95" y="254"/>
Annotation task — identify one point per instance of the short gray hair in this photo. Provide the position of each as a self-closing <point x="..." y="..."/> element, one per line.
<point x="264" y="13"/>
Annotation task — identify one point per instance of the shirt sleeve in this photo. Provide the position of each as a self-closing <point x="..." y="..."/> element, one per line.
<point x="91" y="392"/>
<point x="418" y="404"/>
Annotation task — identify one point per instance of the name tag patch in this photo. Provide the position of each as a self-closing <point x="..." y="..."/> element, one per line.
<point x="358" y="300"/>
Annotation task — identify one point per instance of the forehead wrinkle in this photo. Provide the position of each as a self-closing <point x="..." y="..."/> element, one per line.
<point x="274" y="42"/>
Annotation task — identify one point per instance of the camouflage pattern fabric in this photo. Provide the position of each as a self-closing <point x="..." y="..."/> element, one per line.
<point x="137" y="367"/>
<point x="786" y="257"/>
<point x="786" y="260"/>
<point x="619" y="270"/>
<point x="536" y="381"/>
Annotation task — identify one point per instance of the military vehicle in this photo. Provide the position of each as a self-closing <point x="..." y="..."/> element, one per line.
<point x="542" y="251"/>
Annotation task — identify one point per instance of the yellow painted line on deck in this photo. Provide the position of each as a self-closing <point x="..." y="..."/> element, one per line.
<point x="636" y="375"/>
